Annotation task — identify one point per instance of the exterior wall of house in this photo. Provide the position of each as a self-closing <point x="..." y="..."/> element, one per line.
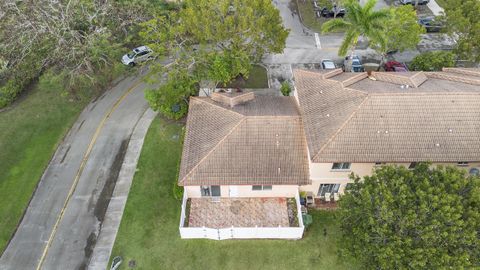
<point x="322" y="173"/>
<point x="246" y="191"/>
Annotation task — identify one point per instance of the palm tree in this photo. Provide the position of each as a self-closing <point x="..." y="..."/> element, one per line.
<point x="359" y="21"/>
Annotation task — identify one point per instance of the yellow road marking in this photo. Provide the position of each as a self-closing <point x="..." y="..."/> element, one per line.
<point x="80" y="170"/>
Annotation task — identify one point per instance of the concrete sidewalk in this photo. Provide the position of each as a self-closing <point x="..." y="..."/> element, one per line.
<point x="435" y="8"/>
<point x="113" y="217"/>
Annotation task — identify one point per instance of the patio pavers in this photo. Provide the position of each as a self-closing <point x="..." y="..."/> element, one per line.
<point x="238" y="212"/>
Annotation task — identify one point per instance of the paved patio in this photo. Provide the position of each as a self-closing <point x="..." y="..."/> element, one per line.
<point x="238" y="212"/>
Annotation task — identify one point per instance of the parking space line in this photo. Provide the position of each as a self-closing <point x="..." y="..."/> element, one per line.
<point x="317" y="41"/>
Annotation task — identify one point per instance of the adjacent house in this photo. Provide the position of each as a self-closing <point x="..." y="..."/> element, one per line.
<point x="246" y="157"/>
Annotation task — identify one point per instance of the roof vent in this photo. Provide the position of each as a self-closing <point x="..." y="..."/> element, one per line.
<point x="437" y="145"/>
<point x="450" y="130"/>
<point x="233" y="98"/>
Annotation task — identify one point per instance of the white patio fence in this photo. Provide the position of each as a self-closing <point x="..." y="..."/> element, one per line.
<point x="241" y="232"/>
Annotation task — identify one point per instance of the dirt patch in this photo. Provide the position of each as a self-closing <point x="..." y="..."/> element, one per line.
<point x="104" y="199"/>
<point x="91" y="241"/>
<point x="107" y="191"/>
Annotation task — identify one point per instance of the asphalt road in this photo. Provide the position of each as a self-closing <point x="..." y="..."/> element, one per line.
<point x="61" y="223"/>
<point x="302" y="47"/>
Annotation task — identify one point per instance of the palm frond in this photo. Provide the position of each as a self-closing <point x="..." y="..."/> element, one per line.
<point x="379" y="15"/>
<point x="349" y="41"/>
<point x="368" y="7"/>
<point x="335" y="24"/>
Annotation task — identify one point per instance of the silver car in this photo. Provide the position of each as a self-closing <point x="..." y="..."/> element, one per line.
<point x="138" y="55"/>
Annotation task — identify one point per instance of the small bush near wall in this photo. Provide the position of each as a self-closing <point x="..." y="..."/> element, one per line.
<point x="187" y="212"/>
<point x="286" y="88"/>
<point x="433" y="61"/>
<point x="177" y="191"/>
<point x="292" y="212"/>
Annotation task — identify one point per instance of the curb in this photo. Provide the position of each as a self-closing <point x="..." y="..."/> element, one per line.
<point x="109" y="228"/>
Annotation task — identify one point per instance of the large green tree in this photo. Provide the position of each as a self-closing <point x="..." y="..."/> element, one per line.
<point x="401" y="30"/>
<point x="360" y="21"/>
<point x="212" y="41"/>
<point x="425" y="218"/>
<point x="463" y="23"/>
<point x="75" y="37"/>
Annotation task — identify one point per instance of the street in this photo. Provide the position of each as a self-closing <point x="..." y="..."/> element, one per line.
<point x="61" y="224"/>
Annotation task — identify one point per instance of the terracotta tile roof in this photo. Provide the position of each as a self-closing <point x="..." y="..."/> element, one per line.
<point x="383" y="123"/>
<point x="257" y="142"/>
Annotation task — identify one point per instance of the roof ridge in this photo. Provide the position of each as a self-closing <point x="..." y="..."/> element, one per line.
<point x="216" y="105"/>
<point x="439" y="93"/>
<point x="341" y="128"/>
<point x="273" y="117"/>
<point x="313" y="72"/>
<point x="345" y="87"/>
<point x="213" y="149"/>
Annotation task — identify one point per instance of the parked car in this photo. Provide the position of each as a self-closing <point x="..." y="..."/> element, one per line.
<point x="328" y="64"/>
<point x="431" y="25"/>
<point x="394" y="66"/>
<point x="138" y="55"/>
<point x="412" y="2"/>
<point x="340" y="12"/>
<point x="353" y="64"/>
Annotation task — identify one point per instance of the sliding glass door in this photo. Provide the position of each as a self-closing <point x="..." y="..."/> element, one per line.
<point x="327" y="188"/>
<point x="208" y="191"/>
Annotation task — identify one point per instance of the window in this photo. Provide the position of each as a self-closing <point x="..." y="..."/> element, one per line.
<point x="328" y="188"/>
<point x="412" y="165"/>
<point x="205" y="190"/>
<point x="463" y="163"/>
<point x="261" y="187"/>
<point x="341" y="166"/>
<point x="208" y="191"/>
<point x="267" y="187"/>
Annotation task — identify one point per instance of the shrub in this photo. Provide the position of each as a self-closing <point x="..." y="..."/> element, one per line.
<point x="10" y="90"/>
<point x="285" y="88"/>
<point x="430" y="213"/>
<point x="433" y="61"/>
<point x="177" y="191"/>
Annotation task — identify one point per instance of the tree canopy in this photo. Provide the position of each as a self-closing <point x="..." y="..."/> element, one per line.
<point x="425" y="218"/>
<point x="212" y="41"/>
<point x="463" y="23"/>
<point x="393" y="29"/>
<point x="433" y="61"/>
<point x="359" y="21"/>
<point x="401" y="30"/>
<point x="76" y="37"/>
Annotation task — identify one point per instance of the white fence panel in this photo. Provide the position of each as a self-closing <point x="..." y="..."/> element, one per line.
<point x="192" y="233"/>
<point x="241" y="233"/>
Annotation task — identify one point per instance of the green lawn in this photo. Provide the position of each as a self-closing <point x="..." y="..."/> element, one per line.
<point x="29" y="133"/>
<point x="149" y="229"/>
<point x="257" y="79"/>
<point x="307" y="13"/>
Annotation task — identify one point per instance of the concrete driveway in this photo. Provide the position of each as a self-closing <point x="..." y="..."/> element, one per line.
<point x="61" y="224"/>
